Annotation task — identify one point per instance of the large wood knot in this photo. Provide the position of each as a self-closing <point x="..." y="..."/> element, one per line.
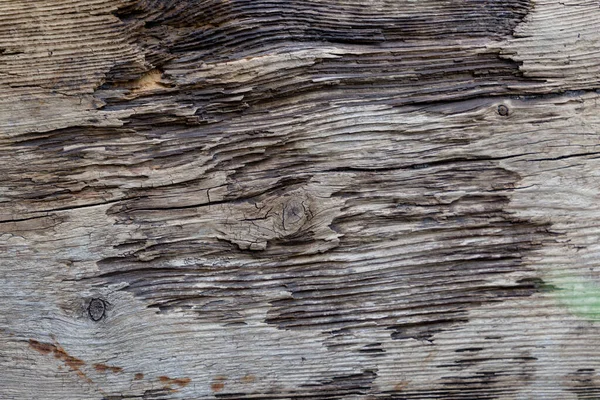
<point x="295" y="218"/>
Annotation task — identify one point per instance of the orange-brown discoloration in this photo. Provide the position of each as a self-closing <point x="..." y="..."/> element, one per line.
<point x="73" y="363"/>
<point x="217" y="386"/>
<point x="149" y="81"/>
<point x="400" y="386"/>
<point x="218" y="383"/>
<point x="100" y="367"/>
<point x="138" y="377"/>
<point x="248" y="378"/>
<point x="104" y="368"/>
<point x="44" y="348"/>
<point x="182" y="382"/>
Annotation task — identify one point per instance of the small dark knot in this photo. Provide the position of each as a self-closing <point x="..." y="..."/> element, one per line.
<point x="503" y="110"/>
<point x="96" y="309"/>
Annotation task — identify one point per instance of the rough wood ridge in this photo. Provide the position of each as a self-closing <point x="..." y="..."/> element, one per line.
<point x="299" y="199"/>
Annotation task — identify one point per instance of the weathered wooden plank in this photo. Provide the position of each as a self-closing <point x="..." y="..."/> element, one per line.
<point x="300" y="199"/>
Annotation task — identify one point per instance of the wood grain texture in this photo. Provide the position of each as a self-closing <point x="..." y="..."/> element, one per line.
<point x="297" y="199"/>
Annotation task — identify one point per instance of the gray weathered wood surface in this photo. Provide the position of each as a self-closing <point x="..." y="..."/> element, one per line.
<point x="299" y="199"/>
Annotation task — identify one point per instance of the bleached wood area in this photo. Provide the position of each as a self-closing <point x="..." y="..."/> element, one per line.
<point x="299" y="199"/>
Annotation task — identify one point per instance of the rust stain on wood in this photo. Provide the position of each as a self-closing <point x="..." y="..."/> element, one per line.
<point x="103" y="368"/>
<point x="138" y="377"/>
<point x="60" y="353"/>
<point x="44" y="348"/>
<point x="218" y="383"/>
<point x="249" y="378"/>
<point x="182" y="382"/>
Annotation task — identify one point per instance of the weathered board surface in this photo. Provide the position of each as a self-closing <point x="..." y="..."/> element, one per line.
<point x="299" y="199"/>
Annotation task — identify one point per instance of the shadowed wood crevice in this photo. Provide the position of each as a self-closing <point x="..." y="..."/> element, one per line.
<point x="371" y="220"/>
<point x="338" y="387"/>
